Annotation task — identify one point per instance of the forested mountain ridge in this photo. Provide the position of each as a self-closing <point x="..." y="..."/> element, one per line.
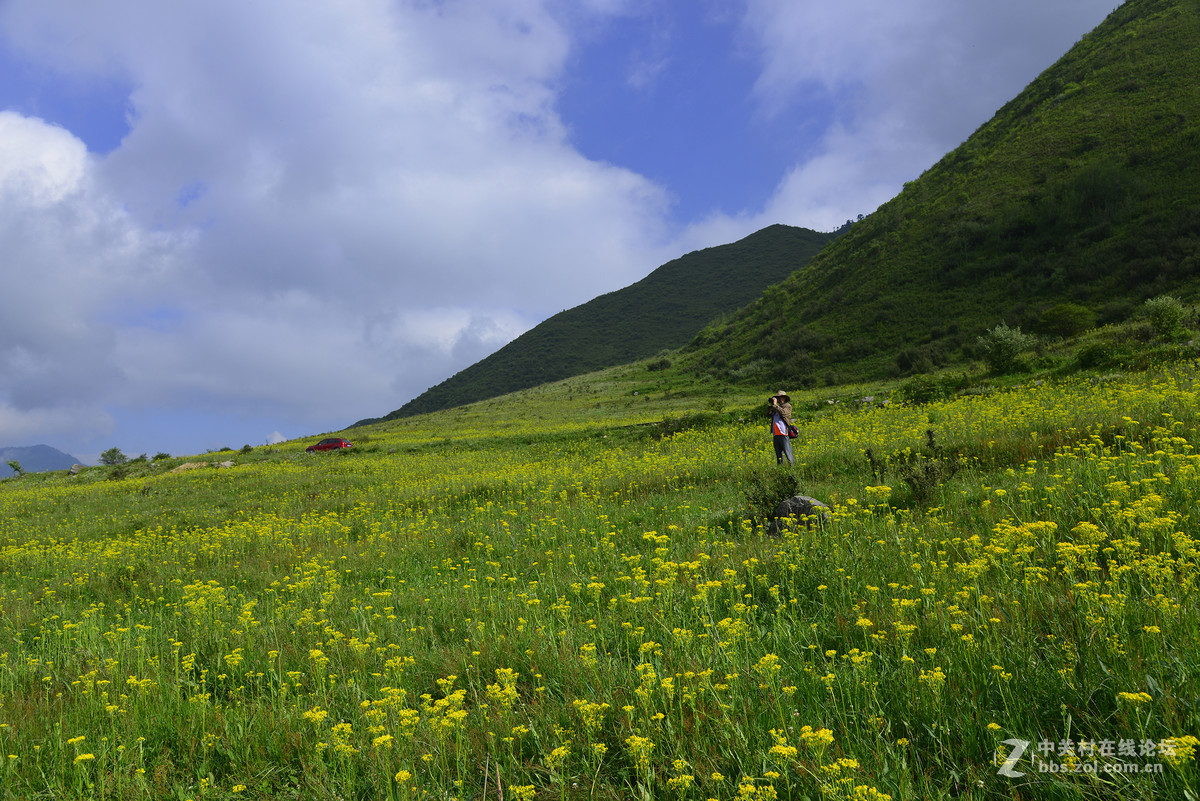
<point x="663" y="311"/>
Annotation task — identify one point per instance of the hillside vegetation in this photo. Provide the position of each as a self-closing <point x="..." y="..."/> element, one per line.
<point x="1080" y="191"/>
<point x="586" y="605"/>
<point x="663" y="311"/>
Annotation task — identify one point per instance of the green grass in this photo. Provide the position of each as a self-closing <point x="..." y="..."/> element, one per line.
<point x="569" y="588"/>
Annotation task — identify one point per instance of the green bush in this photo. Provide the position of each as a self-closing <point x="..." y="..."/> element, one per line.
<point x="1001" y="348"/>
<point x="1165" y="315"/>
<point x="922" y="389"/>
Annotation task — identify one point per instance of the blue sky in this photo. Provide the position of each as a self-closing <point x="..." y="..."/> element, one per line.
<point x="226" y="223"/>
<point x="92" y="108"/>
<point x="670" y="95"/>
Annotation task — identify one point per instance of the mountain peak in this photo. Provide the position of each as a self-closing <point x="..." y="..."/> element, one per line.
<point x="660" y="312"/>
<point x="35" y="459"/>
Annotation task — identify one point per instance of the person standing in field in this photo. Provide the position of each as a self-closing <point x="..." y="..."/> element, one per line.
<point x="779" y="408"/>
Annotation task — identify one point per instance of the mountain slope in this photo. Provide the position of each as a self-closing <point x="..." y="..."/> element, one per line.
<point x="35" y="459"/>
<point x="1082" y="190"/>
<point x="662" y="311"/>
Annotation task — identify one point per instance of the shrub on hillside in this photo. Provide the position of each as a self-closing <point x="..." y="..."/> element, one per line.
<point x="1001" y="348"/>
<point x="1165" y="315"/>
<point x="922" y="389"/>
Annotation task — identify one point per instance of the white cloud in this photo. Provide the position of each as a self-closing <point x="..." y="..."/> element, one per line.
<point x="72" y="259"/>
<point x="320" y="209"/>
<point x="42" y="164"/>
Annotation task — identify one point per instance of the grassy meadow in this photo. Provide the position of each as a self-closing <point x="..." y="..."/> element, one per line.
<point x="568" y="593"/>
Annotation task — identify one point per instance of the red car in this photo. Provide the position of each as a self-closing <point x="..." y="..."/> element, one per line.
<point x="329" y="444"/>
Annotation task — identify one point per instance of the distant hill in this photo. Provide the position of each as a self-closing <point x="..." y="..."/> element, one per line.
<point x="1083" y="190"/>
<point x="35" y="459"/>
<point x="663" y="311"/>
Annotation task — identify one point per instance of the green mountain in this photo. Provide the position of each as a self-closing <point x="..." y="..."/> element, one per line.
<point x="1082" y="193"/>
<point x="663" y="311"/>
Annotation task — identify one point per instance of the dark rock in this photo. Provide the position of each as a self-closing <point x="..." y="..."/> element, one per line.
<point x="797" y="508"/>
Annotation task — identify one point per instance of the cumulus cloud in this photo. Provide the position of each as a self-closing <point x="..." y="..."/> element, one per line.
<point x="72" y="259"/>
<point x="43" y="164"/>
<point x="318" y="210"/>
<point x="401" y="147"/>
